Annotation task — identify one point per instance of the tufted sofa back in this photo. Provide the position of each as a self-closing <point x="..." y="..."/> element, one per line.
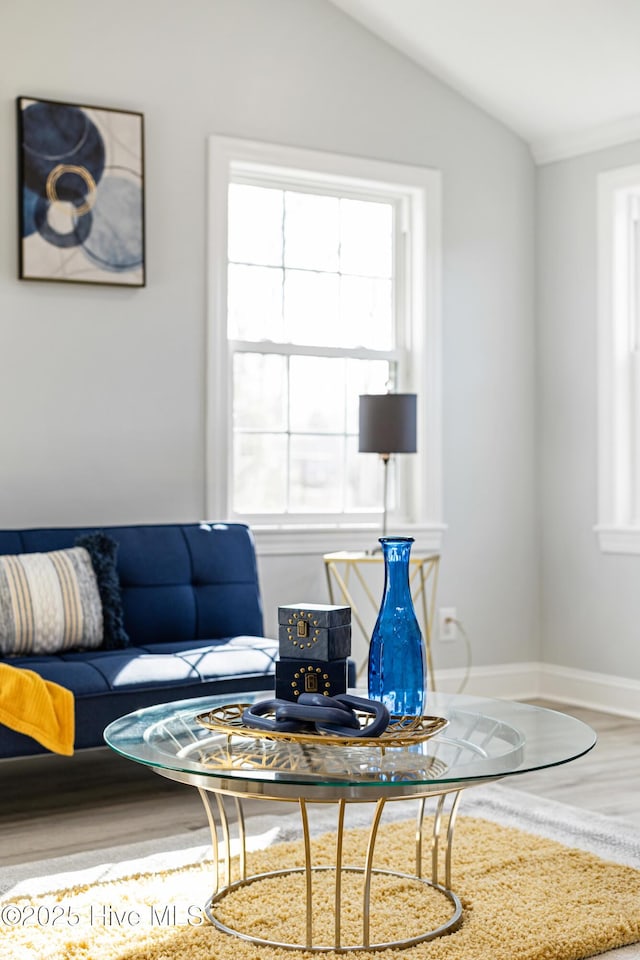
<point x="179" y="581"/>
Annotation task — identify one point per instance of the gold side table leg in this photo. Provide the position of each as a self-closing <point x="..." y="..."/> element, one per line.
<point x="328" y="567"/>
<point x="427" y="630"/>
<point x="432" y="611"/>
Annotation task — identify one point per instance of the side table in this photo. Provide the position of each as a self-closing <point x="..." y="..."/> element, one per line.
<point x="424" y="583"/>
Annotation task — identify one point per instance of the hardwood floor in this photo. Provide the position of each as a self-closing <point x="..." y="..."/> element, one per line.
<point x="51" y="806"/>
<point x="606" y="780"/>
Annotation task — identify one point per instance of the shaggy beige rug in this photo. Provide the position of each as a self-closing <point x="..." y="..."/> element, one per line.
<point x="524" y="898"/>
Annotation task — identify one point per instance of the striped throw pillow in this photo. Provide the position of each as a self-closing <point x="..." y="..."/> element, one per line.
<point x="49" y="602"/>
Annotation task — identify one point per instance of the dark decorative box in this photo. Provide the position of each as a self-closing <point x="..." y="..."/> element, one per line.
<point x="294" y="677"/>
<point x="316" y="631"/>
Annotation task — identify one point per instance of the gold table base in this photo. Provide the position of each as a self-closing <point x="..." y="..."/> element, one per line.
<point x="223" y="885"/>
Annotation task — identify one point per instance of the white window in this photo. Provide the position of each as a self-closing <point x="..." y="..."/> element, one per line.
<point x="619" y="361"/>
<point x="324" y="285"/>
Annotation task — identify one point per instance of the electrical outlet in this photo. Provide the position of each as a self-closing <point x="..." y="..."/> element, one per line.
<point x="447" y="626"/>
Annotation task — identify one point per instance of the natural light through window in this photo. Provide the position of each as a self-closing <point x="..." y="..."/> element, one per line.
<point x="323" y="285"/>
<point x="311" y="326"/>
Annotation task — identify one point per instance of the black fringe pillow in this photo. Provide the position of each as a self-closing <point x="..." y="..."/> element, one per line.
<point x="103" y="551"/>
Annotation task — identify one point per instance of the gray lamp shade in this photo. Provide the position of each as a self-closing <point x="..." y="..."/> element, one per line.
<point x="388" y="423"/>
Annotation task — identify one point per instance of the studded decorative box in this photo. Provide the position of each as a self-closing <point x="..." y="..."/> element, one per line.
<point x="294" y="677"/>
<point x="314" y="631"/>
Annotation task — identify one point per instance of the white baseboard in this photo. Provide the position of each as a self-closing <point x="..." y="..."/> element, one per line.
<point x="511" y="681"/>
<point x="517" y="681"/>
<point x="600" y="691"/>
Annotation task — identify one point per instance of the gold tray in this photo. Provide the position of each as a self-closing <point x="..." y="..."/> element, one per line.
<point x="401" y="732"/>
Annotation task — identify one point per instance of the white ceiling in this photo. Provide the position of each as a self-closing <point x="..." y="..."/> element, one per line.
<point x="563" y="74"/>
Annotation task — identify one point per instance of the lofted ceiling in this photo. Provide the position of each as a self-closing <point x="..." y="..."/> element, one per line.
<point x="563" y="74"/>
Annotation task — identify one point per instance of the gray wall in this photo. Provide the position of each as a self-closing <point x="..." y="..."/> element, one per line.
<point x="102" y="390"/>
<point x="590" y="600"/>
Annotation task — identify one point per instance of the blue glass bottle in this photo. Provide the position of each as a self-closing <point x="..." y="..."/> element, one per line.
<point x="397" y="654"/>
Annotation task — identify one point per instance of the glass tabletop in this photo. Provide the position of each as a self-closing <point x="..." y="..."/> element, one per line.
<point x="483" y="740"/>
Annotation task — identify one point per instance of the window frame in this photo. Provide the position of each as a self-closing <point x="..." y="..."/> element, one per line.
<point x="618" y="523"/>
<point x="419" y="190"/>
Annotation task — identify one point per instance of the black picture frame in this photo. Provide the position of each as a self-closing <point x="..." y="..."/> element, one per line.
<point x="81" y="193"/>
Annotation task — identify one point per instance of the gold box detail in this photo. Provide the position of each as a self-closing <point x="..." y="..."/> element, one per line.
<point x="294" y="677"/>
<point x="314" y="631"/>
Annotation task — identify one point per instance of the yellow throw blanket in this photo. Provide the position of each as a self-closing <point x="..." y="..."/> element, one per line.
<point x="38" y="708"/>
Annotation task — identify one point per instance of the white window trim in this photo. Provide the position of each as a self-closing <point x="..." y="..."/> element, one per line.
<point x="423" y="189"/>
<point x="618" y="411"/>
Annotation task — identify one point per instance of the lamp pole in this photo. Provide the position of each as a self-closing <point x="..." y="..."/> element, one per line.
<point x="385" y="457"/>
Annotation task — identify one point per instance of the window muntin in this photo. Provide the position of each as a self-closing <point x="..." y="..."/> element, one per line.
<point x="311" y="325"/>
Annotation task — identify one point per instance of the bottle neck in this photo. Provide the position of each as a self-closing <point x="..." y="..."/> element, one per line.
<point x="396" y="563"/>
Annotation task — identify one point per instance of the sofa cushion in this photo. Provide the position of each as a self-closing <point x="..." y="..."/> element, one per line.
<point x="76" y="675"/>
<point x="49" y="602"/>
<point x="103" y="551"/>
<point x="155" y="614"/>
<point x="134" y="667"/>
<point x="217" y="659"/>
<point x="181" y="664"/>
<point x="194" y="581"/>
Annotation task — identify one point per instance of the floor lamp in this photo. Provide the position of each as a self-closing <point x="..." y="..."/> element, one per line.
<point x="387" y="425"/>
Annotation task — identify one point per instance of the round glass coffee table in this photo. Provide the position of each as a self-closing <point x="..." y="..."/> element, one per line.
<point x="470" y="741"/>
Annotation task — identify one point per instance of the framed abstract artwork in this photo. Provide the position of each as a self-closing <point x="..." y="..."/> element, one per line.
<point x="81" y="193"/>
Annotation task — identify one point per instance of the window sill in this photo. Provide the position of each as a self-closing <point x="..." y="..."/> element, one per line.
<point x="283" y="540"/>
<point x="618" y="539"/>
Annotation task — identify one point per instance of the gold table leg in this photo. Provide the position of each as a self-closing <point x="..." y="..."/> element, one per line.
<point x="308" y="870"/>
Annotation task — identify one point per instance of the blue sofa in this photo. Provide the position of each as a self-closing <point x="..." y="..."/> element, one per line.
<point x="193" y="614"/>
